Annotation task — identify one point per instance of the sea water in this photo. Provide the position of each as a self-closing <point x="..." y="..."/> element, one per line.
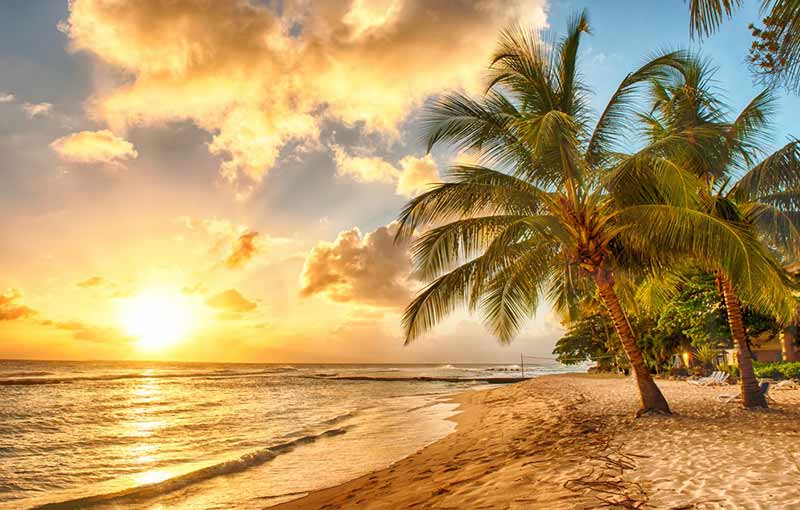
<point x="150" y="436"/>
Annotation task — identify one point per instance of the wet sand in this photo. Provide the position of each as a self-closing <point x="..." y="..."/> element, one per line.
<point x="572" y="442"/>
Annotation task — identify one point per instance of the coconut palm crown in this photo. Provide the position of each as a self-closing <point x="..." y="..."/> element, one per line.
<point x="740" y="184"/>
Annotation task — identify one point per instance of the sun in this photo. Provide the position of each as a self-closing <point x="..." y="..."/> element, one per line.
<point x="157" y="318"/>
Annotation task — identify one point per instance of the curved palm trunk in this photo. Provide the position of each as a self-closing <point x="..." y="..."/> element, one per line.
<point x="651" y="397"/>
<point x="751" y="393"/>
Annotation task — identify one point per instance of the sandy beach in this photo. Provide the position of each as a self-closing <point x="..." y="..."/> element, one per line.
<point x="572" y="442"/>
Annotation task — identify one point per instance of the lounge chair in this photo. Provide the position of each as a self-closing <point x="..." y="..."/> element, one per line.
<point x="787" y="385"/>
<point x="718" y="378"/>
<point x="726" y="399"/>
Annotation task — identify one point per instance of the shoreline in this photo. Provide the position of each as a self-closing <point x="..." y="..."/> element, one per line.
<point x="572" y="441"/>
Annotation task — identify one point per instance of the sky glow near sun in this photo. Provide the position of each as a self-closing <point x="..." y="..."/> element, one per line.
<point x="233" y="199"/>
<point x="156" y="318"/>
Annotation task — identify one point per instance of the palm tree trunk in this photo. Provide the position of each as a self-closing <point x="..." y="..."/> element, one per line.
<point x="751" y="393"/>
<point x="788" y="340"/>
<point x="651" y="397"/>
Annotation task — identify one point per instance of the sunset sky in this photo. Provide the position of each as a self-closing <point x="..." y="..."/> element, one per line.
<point x="232" y="169"/>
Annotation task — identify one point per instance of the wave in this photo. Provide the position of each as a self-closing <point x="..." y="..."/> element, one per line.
<point x="153" y="490"/>
<point x="323" y="375"/>
<point x="339" y="418"/>
<point x="420" y="378"/>
<point x="25" y="374"/>
<point x="463" y="369"/>
<point x="214" y="374"/>
<point x="509" y="368"/>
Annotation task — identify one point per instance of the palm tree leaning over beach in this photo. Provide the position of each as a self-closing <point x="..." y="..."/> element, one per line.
<point x="759" y="196"/>
<point x="550" y="209"/>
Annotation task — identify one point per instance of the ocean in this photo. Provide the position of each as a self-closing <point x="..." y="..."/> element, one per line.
<point x="202" y="436"/>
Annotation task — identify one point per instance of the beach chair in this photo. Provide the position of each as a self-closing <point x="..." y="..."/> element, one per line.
<point x="727" y="399"/>
<point x="715" y="379"/>
<point x="703" y="380"/>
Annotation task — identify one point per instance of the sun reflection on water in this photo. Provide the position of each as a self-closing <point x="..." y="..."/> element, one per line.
<point x="152" y="476"/>
<point x="140" y="424"/>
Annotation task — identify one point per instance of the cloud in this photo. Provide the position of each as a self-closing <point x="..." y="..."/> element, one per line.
<point x="111" y="288"/>
<point x="414" y="175"/>
<point x="11" y="310"/>
<point x="90" y="333"/>
<point x="94" y="147"/>
<point x="231" y="304"/>
<point x="37" y="109"/>
<point x="234" y="244"/>
<point x="367" y="269"/>
<point x="257" y="76"/>
<point x="417" y="175"/>
<point x="243" y="250"/>
<point x="364" y="169"/>
<point x="6" y="98"/>
<point x="92" y="281"/>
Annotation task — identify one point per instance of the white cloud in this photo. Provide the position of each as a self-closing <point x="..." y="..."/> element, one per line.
<point x="37" y="109"/>
<point x="6" y="98"/>
<point x="414" y="175"/>
<point x="94" y="147"/>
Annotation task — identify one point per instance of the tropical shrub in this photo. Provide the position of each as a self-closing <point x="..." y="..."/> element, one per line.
<point x="777" y="370"/>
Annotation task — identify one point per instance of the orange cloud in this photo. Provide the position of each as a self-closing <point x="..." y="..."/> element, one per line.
<point x="11" y="310"/>
<point x="94" y="147"/>
<point x="231" y="301"/>
<point x="243" y="250"/>
<point x="257" y="78"/>
<point x="367" y="269"/>
<point x="233" y="245"/>
<point x="92" y="281"/>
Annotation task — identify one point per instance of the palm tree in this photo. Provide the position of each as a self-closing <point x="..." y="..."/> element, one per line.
<point x="761" y="197"/>
<point x="560" y="211"/>
<point x="775" y="51"/>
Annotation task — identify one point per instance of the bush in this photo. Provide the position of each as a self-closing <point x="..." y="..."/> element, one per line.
<point x="777" y="370"/>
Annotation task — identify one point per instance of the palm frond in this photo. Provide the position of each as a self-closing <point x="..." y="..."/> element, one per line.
<point x="707" y="15"/>
<point x="524" y="64"/>
<point x="568" y="87"/>
<point x="568" y="289"/>
<point x="476" y="190"/>
<point x="610" y="128"/>
<point x="440" y="248"/>
<point x="748" y="132"/>
<point x="465" y="123"/>
<point x="780" y="227"/>
<point x="439" y="299"/>
<point x="777" y="172"/>
<point x="715" y="242"/>
<point x="462" y="287"/>
<point x="655" y="290"/>
<point x="512" y="295"/>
